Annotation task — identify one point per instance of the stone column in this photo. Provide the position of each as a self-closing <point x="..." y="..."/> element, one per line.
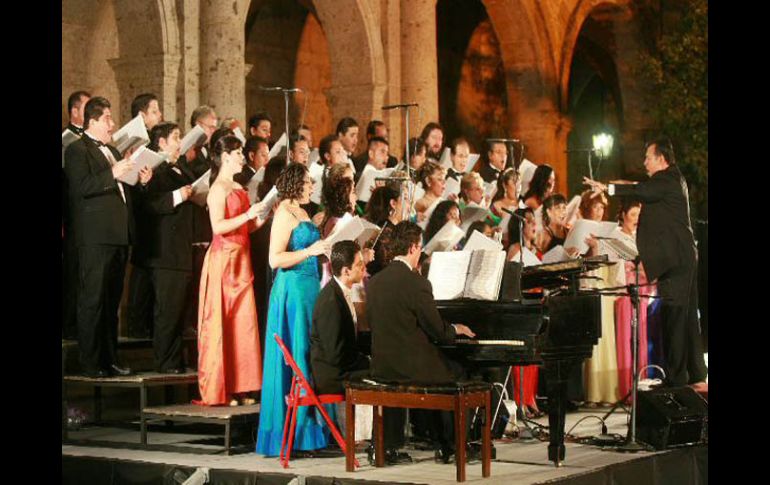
<point x="544" y="135"/>
<point x="155" y="74"/>
<point x="419" y="61"/>
<point x="222" y="68"/>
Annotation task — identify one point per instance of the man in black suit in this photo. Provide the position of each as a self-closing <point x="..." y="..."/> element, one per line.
<point x="667" y="250"/>
<point x="334" y="356"/>
<point x="76" y="103"/>
<point x="104" y="227"/>
<point x="496" y="158"/>
<point x="405" y="322"/>
<point x="374" y="128"/>
<point x="164" y="247"/>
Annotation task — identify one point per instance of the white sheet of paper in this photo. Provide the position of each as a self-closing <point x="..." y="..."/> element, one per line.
<point x="478" y="241"/>
<point x="472" y="159"/>
<point x="446" y="158"/>
<point x="313" y="157"/>
<point x="266" y="204"/>
<point x="583" y="228"/>
<point x="452" y="187"/>
<point x="252" y="185"/>
<point x="200" y="189"/>
<point x="529" y="258"/>
<point x="353" y="229"/>
<point x="428" y="212"/>
<point x="131" y="135"/>
<point x="485" y="272"/>
<point x="67" y="137"/>
<point x="526" y="172"/>
<point x="472" y="214"/>
<point x="143" y="157"/>
<point x="557" y="254"/>
<point x="316" y="172"/>
<point x="195" y="137"/>
<point x="367" y="181"/>
<point x="239" y="134"/>
<point x="490" y="189"/>
<point x="447" y="274"/>
<point x="572" y="211"/>
<point x="279" y="145"/>
<point x="504" y="223"/>
<point x="445" y="239"/>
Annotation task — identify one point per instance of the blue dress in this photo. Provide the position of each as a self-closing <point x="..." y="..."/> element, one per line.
<point x="290" y="315"/>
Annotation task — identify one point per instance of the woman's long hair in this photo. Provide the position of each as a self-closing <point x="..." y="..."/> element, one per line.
<point x="539" y="183"/>
<point x="438" y="218"/>
<point x="336" y="193"/>
<point x="502" y="181"/>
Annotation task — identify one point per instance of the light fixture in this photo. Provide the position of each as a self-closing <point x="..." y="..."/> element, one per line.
<point x="603" y="144"/>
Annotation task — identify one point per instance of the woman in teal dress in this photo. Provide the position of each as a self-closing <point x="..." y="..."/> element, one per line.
<point x="294" y="246"/>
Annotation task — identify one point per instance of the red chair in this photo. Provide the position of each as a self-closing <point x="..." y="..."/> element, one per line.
<point x="295" y="399"/>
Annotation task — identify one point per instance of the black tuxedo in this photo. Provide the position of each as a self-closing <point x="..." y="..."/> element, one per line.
<point x="667" y="250"/>
<point x="488" y="173"/>
<point x="405" y="322"/>
<point x="164" y="253"/>
<point x="334" y="356"/>
<point x="451" y="173"/>
<point x="104" y="227"/>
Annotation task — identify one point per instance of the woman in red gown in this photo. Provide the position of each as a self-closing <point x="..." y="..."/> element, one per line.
<point x="229" y="357"/>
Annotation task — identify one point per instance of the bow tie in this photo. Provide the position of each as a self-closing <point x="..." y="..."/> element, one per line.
<point x="98" y="143"/>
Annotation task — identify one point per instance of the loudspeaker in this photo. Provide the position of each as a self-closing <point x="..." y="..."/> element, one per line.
<point x="671" y="417"/>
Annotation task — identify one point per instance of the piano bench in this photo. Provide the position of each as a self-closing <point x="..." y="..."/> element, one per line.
<point x="457" y="397"/>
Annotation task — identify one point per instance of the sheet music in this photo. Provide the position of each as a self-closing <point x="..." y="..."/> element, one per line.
<point x="490" y="189"/>
<point x="472" y="214"/>
<point x="429" y="212"/>
<point x="313" y="157"/>
<point x="485" y="273"/>
<point x="193" y="138"/>
<point x="504" y="223"/>
<point x="131" y="135"/>
<point x="452" y="187"/>
<point x="67" y="137"/>
<point x="367" y="181"/>
<point x="200" y="189"/>
<point x="316" y="172"/>
<point x="419" y="191"/>
<point x="527" y="257"/>
<point x="445" y="239"/>
<point x="584" y="228"/>
<point x="447" y="274"/>
<point x="446" y="158"/>
<point x="353" y="229"/>
<point x="279" y="145"/>
<point x="572" y="211"/>
<point x="555" y="255"/>
<point x="472" y="159"/>
<point x="266" y="204"/>
<point x="526" y="172"/>
<point x="252" y="185"/>
<point x="620" y="247"/>
<point x="143" y="157"/>
<point x="478" y="242"/>
<point x="239" y="134"/>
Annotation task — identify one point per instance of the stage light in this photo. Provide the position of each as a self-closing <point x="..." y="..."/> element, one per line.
<point x="603" y="143"/>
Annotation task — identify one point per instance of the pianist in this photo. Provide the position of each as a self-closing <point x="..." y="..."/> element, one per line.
<point x="406" y="326"/>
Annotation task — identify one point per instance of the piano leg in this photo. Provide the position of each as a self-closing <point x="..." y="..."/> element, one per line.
<point x="556" y="386"/>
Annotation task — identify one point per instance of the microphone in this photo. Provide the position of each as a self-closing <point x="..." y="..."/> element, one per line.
<point x="514" y="214"/>
<point x="395" y="106"/>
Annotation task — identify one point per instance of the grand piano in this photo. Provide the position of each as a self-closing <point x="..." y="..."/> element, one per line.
<point x="553" y="324"/>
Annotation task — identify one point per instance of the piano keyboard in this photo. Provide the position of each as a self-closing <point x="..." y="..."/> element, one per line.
<point x="508" y="343"/>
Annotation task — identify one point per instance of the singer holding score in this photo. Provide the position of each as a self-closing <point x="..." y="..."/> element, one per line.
<point x="667" y="250"/>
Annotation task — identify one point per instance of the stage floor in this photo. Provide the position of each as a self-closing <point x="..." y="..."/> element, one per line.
<point x="521" y="462"/>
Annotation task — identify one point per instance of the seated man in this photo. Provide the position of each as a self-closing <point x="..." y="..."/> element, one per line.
<point x="334" y="356"/>
<point x="405" y="328"/>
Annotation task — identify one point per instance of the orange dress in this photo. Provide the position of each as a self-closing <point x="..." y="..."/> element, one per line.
<point x="229" y="357"/>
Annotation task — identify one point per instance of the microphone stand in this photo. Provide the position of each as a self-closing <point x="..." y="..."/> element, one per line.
<point x="285" y="92"/>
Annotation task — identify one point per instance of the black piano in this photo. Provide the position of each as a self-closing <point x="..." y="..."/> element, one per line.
<point x="555" y="327"/>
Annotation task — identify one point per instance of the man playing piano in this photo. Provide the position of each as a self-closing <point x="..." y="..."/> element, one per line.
<point x="406" y="328"/>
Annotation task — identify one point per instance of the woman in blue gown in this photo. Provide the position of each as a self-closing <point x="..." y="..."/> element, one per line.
<point x="294" y="246"/>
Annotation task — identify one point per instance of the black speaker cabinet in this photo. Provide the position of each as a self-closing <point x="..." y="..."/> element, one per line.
<point x="671" y="417"/>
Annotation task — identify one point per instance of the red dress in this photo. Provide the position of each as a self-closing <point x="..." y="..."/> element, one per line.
<point x="623" y="333"/>
<point x="229" y="357"/>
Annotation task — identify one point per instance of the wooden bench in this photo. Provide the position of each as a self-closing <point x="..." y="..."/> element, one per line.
<point x="191" y="413"/>
<point x="458" y="398"/>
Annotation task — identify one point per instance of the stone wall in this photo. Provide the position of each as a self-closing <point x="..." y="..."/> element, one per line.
<point x="352" y="56"/>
